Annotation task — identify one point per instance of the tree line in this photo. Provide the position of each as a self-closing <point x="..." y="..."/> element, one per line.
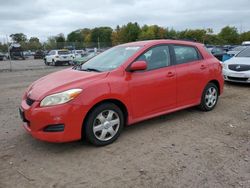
<point x="106" y="37"/>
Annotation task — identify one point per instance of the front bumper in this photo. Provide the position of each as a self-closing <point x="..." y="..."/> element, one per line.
<point x="234" y="76"/>
<point x="37" y="119"/>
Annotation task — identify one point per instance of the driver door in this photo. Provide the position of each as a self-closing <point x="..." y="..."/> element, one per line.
<point x="154" y="90"/>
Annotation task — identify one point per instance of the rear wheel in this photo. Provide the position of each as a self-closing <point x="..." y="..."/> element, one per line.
<point x="104" y="124"/>
<point x="209" y="97"/>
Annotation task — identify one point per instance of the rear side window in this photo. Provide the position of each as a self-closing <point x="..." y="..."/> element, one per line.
<point x="63" y="52"/>
<point x="185" y="54"/>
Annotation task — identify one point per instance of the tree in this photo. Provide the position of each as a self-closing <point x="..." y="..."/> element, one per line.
<point x="229" y="35"/>
<point x="129" y="32"/>
<point x="60" y="40"/>
<point x="51" y="43"/>
<point x="34" y="44"/>
<point x="245" y="36"/>
<point x="101" y="35"/>
<point x="18" y="37"/>
<point x="3" y="47"/>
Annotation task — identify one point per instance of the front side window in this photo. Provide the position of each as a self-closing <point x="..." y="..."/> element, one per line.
<point x="156" y="57"/>
<point x="185" y="54"/>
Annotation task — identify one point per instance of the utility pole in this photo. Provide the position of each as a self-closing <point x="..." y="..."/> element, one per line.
<point x="9" y="53"/>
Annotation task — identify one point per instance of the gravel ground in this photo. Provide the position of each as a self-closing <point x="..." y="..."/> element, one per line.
<point x="18" y="65"/>
<point x="188" y="148"/>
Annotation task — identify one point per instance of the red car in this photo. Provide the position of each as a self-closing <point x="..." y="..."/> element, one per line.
<point x="121" y="86"/>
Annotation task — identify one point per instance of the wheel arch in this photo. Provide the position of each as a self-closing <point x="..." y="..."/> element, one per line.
<point x="217" y="84"/>
<point x="117" y="102"/>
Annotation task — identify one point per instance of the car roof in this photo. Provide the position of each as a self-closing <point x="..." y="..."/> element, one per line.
<point x="162" y="41"/>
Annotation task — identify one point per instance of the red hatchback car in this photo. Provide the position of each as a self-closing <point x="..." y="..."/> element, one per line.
<point x="121" y="86"/>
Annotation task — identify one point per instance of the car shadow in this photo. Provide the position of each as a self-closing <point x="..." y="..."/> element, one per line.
<point x="59" y="148"/>
<point x="246" y="85"/>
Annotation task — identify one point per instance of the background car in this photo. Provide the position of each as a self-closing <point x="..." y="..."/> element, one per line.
<point x="39" y="54"/>
<point x="78" y="53"/>
<point x="2" y="56"/>
<point x="58" y="57"/>
<point x="16" y="52"/>
<point x="237" y="69"/>
<point x="83" y="59"/>
<point x="218" y="52"/>
<point x="236" y="50"/>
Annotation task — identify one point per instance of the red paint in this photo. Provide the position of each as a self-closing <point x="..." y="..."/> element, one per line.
<point x="145" y="94"/>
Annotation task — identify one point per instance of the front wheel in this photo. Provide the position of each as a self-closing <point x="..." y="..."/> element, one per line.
<point x="104" y="124"/>
<point x="209" y="97"/>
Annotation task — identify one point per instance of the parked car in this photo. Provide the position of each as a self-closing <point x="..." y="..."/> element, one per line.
<point x="236" y="50"/>
<point x="39" y="54"/>
<point x="2" y="56"/>
<point x="218" y="52"/>
<point x="237" y="69"/>
<point x="78" y="53"/>
<point x="58" y="57"/>
<point x="121" y="86"/>
<point x="16" y="52"/>
<point x="83" y="59"/>
<point x="246" y="43"/>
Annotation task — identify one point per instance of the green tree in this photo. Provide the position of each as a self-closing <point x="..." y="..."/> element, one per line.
<point x="34" y="44"/>
<point x="18" y="37"/>
<point x="60" y="41"/>
<point x="129" y="32"/>
<point x="101" y="35"/>
<point x="229" y="35"/>
<point x="51" y="43"/>
<point x="245" y="36"/>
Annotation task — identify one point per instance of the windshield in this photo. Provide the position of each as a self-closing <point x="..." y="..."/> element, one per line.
<point x="110" y="59"/>
<point x="244" y="53"/>
<point x="239" y="48"/>
<point x="63" y="52"/>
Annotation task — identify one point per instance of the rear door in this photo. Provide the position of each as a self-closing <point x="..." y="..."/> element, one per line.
<point x="192" y="74"/>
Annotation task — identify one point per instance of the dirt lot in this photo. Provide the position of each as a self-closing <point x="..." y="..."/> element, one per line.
<point x="184" y="149"/>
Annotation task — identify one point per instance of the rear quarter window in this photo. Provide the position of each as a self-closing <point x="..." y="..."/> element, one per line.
<point x="186" y="54"/>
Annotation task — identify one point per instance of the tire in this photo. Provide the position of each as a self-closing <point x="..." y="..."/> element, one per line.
<point x="209" y="97"/>
<point x="45" y="62"/>
<point x="104" y="124"/>
<point x="53" y="63"/>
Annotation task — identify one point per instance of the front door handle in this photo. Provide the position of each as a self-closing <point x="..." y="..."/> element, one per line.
<point x="203" y="67"/>
<point x="170" y="74"/>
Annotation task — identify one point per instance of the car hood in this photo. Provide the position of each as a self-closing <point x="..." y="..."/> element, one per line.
<point x="61" y="81"/>
<point x="238" y="60"/>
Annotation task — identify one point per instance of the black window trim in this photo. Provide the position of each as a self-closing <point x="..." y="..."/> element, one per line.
<point x="187" y="45"/>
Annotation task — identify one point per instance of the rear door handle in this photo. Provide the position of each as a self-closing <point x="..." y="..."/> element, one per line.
<point x="170" y="74"/>
<point x="203" y="67"/>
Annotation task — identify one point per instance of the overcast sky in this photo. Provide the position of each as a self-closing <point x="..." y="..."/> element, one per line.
<point x="43" y="18"/>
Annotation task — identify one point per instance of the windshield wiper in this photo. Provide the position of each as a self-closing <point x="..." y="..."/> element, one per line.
<point x="91" y="70"/>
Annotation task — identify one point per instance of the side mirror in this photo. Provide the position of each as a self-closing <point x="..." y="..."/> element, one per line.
<point x="138" y="66"/>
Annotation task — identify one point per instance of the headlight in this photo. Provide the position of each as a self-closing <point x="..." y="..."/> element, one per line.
<point x="60" y="98"/>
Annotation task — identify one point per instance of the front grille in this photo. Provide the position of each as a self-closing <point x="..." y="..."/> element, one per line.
<point x="29" y="101"/>
<point x="237" y="79"/>
<point x="238" y="67"/>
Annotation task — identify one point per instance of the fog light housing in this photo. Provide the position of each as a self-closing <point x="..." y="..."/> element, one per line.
<point x="54" y="128"/>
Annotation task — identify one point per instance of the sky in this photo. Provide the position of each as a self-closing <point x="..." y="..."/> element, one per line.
<point x="44" y="18"/>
